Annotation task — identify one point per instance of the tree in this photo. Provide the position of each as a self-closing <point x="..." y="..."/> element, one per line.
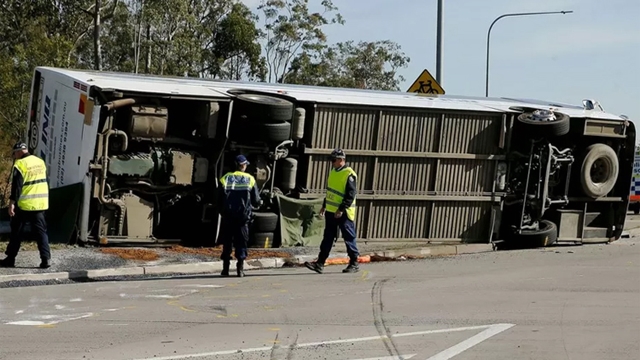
<point x="236" y="51"/>
<point x="199" y="38"/>
<point x="367" y="65"/>
<point x="36" y="35"/>
<point x="290" y="29"/>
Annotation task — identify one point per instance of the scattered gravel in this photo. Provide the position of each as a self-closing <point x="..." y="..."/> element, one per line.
<point x="67" y="258"/>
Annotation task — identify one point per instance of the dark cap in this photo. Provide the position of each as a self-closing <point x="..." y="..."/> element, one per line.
<point x="241" y="160"/>
<point x="338" y="154"/>
<point x="19" y="146"/>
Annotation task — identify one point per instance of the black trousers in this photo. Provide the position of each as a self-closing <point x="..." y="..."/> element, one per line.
<point x="234" y="233"/>
<point x="38" y="228"/>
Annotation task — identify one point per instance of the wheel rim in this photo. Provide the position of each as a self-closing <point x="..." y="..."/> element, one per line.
<point x="541" y="116"/>
<point x="600" y="170"/>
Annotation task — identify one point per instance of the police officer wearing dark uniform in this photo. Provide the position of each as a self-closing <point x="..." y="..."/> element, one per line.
<point x="339" y="210"/>
<point x="29" y="201"/>
<point x="238" y="192"/>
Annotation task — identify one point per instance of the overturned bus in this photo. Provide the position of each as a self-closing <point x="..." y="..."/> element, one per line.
<point x="136" y="158"/>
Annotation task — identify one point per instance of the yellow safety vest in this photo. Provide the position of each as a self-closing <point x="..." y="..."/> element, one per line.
<point x="336" y="186"/>
<point x="238" y="180"/>
<point x="35" y="190"/>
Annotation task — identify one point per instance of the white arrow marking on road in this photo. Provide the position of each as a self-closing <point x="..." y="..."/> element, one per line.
<point x="471" y="342"/>
<point x="399" y="357"/>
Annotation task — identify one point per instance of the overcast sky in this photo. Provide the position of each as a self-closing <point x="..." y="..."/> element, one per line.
<point x="593" y="53"/>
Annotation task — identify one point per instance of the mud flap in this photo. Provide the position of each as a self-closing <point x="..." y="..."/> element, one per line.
<point x="62" y="216"/>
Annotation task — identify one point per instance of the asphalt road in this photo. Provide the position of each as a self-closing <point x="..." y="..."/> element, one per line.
<point x="558" y="303"/>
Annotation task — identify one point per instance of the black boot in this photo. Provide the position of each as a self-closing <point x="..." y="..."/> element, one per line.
<point x="352" y="268"/>
<point x="315" y="266"/>
<point x="45" y="264"/>
<point x="240" y="268"/>
<point x="225" y="267"/>
<point x="8" y="262"/>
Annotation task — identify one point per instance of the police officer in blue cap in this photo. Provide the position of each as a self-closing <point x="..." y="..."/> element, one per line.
<point x="238" y="192"/>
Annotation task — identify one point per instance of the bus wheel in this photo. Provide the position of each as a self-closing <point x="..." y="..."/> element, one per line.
<point x="545" y="235"/>
<point x="543" y="123"/>
<point x="273" y="132"/>
<point x="246" y="131"/>
<point x="599" y="171"/>
<point x="264" y="221"/>
<point x="264" y="108"/>
<point x="262" y="240"/>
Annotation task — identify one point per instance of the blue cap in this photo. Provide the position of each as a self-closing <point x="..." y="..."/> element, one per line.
<point x="241" y="160"/>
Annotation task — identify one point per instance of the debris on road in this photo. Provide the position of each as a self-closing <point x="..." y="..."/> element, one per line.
<point x="132" y="254"/>
<point x="361" y="259"/>
<point x="217" y="251"/>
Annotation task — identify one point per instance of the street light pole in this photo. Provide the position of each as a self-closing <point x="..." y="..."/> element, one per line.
<point x="439" y="44"/>
<point x="489" y="36"/>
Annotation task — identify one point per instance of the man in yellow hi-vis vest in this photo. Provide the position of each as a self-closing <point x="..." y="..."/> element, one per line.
<point x="238" y="192"/>
<point x="29" y="200"/>
<point x="339" y="210"/>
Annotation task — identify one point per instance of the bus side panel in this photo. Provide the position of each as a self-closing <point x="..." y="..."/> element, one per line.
<point x="423" y="174"/>
<point x="56" y="130"/>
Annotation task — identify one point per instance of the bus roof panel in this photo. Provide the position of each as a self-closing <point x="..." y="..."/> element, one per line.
<point x="328" y="95"/>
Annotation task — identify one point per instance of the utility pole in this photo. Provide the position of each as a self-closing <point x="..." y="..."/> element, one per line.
<point x="439" y="45"/>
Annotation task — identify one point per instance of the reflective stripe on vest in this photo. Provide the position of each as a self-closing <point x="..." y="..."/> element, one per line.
<point x="35" y="190"/>
<point x="336" y="186"/>
<point x="237" y="181"/>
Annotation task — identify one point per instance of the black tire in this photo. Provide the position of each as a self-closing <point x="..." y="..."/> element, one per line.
<point x="264" y="108"/>
<point x="274" y="133"/>
<point x="599" y="171"/>
<point x="546" y="235"/>
<point x="636" y="208"/>
<point x="264" y="221"/>
<point x="261" y="240"/>
<point x="537" y="129"/>
<point x="246" y="131"/>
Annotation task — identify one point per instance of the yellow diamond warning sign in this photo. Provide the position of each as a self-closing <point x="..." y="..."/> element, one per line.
<point x="426" y="84"/>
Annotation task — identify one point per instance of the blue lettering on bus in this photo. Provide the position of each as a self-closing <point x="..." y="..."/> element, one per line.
<point x="45" y="125"/>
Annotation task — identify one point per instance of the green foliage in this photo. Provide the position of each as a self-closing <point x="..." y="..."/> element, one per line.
<point x="198" y="38"/>
<point x="290" y="29"/>
<point x="366" y="65"/>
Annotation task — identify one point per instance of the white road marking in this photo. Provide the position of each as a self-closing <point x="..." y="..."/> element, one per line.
<point x="201" y="286"/>
<point x="471" y="342"/>
<point x="75" y="300"/>
<point x="60" y="319"/>
<point x="26" y="322"/>
<point x="60" y="307"/>
<point x="19" y="311"/>
<point x="399" y="357"/>
<point x="495" y="329"/>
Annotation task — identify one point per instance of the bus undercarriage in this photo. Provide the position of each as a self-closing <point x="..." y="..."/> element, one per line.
<point x="551" y="179"/>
